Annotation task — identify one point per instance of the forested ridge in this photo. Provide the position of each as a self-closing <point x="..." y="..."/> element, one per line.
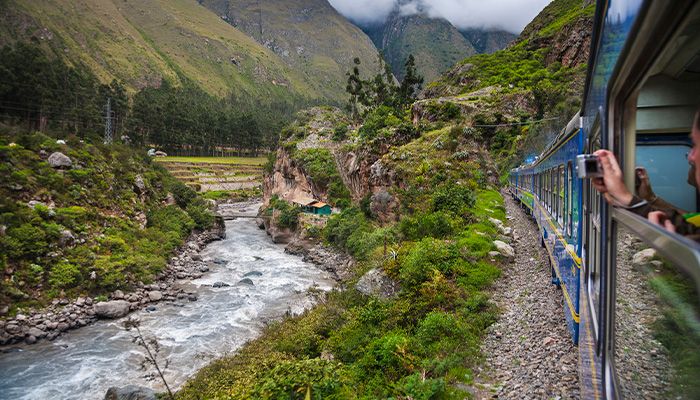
<point x="43" y="93"/>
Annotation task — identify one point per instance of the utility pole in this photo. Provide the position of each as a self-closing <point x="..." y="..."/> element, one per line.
<point x="108" y="122"/>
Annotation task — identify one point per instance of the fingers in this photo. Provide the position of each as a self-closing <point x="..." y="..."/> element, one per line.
<point x="661" y="219"/>
<point x="655" y="217"/>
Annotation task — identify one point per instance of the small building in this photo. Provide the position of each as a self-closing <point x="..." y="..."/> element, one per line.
<point x="312" y="206"/>
<point x="318" y="208"/>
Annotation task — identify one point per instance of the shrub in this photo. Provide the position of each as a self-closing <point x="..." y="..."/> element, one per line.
<point x="288" y="213"/>
<point x="425" y="256"/>
<point x="25" y="241"/>
<point x="171" y="219"/>
<point x="455" y="198"/>
<point x="64" y="275"/>
<point x="438" y="224"/>
<point x="294" y="379"/>
<point x="182" y="193"/>
<point x="200" y="214"/>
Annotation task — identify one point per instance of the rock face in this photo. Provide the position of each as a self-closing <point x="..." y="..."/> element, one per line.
<point x="60" y="161"/>
<point x="112" y="309"/>
<point x="299" y="31"/>
<point x="434" y="42"/>
<point x="377" y="284"/>
<point x="130" y="392"/>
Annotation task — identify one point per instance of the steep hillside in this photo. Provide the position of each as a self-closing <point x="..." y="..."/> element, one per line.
<point x="139" y="43"/>
<point x="81" y="219"/>
<point x="307" y="35"/>
<point x="435" y="43"/>
<point x="539" y="78"/>
<point x="488" y="41"/>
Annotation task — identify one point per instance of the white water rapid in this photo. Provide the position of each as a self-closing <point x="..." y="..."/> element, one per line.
<point x="84" y="363"/>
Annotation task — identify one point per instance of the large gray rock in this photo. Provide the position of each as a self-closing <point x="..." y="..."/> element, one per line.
<point x="504" y="248"/>
<point x="376" y="283"/>
<point x="59" y="160"/>
<point x="112" y="309"/>
<point x="643" y="258"/>
<point x="130" y="392"/>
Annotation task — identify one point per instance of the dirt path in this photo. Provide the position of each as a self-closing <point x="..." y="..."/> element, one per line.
<point x="529" y="352"/>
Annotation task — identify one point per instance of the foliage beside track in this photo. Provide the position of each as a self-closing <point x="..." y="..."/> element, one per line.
<point x="81" y="234"/>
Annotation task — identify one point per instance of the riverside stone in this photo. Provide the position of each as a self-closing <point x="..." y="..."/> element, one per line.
<point x="155" y="295"/>
<point x="112" y="309"/>
<point x="130" y="392"/>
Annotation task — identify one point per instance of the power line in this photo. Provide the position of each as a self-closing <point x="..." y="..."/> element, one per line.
<point x="515" y="123"/>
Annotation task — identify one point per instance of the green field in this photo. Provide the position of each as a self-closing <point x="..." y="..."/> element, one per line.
<point x="215" y="160"/>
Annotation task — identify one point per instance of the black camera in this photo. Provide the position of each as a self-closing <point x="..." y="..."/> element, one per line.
<point x="588" y="166"/>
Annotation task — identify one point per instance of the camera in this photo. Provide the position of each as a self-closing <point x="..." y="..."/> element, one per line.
<point x="588" y="166"/>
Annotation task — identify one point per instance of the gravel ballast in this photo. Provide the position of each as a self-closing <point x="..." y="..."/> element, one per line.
<point x="528" y="352"/>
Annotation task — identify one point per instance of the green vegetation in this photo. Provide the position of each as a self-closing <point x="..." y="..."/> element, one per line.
<point x="77" y="231"/>
<point x="287" y="216"/>
<point x="416" y="345"/>
<point x="320" y="166"/>
<point x="214" y="160"/>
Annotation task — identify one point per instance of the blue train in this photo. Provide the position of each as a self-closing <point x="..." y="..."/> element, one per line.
<point x="642" y="88"/>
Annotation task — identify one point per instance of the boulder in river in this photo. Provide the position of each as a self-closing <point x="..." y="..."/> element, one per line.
<point x="130" y="392"/>
<point x="252" y="273"/>
<point x="246" y="281"/>
<point x="112" y="309"/>
<point x="220" y="284"/>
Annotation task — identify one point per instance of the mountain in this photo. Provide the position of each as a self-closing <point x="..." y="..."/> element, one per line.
<point x="488" y="40"/>
<point x="434" y="42"/>
<point x="307" y="35"/>
<point x="140" y="42"/>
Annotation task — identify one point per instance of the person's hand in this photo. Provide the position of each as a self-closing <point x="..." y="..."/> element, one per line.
<point x="611" y="183"/>
<point x="661" y="219"/>
<point x="643" y="188"/>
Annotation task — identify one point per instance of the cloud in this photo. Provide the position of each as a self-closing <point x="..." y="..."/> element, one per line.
<point x="365" y="12"/>
<point x="509" y="15"/>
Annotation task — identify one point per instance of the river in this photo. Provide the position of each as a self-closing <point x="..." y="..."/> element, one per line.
<point x="84" y="363"/>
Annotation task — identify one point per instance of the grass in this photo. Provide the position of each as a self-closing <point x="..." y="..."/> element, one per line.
<point x="215" y="160"/>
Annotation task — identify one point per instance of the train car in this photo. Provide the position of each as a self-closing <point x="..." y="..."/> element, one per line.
<point x="642" y="89"/>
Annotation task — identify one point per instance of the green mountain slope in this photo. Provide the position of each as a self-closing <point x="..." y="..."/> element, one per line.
<point x="435" y="43"/>
<point x="140" y="42"/>
<point x="307" y="35"/>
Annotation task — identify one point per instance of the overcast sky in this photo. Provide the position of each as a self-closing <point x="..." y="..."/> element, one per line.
<point x="510" y="15"/>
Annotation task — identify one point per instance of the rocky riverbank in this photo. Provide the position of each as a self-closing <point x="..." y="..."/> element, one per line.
<point x="339" y="264"/>
<point x="64" y="314"/>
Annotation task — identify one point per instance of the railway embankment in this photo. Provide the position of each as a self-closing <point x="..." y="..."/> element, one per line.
<point x="529" y="352"/>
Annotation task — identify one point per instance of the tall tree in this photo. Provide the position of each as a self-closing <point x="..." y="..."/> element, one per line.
<point x="355" y="90"/>
<point x="411" y="83"/>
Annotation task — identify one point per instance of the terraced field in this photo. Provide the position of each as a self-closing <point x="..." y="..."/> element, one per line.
<point x="216" y="174"/>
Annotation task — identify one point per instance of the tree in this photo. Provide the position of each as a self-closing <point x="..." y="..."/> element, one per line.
<point x="411" y="83"/>
<point x="355" y="89"/>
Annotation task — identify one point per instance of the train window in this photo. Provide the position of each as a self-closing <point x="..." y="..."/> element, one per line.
<point x="560" y="197"/>
<point x="668" y="175"/>
<point x="569" y="199"/>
